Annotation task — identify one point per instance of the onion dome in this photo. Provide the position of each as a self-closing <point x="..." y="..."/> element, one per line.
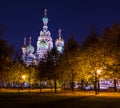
<point x="43" y="45"/>
<point x="59" y="40"/>
<point x="45" y="19"/>
<point x="30" y="48"/>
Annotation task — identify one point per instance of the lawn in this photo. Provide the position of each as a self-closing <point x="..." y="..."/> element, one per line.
<point x="59" y="100"/>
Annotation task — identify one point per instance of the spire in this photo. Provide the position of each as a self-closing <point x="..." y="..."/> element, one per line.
<point x="24" y="47"/>
<point x="30" y="40"/>
<point x="45" y="19"/>
<point x="59" y="33"/>
<point x="45" y="13"/>
<point x="24" y="41"/>
<point x="30" y="48"/>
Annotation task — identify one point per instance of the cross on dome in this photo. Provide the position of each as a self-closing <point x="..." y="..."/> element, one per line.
<point x="59" y="33"/>
<point x="45" y="12"/>
<point x="24" y="41"/>
<point x="30" y="40"/>
<point x="45" y="19"/>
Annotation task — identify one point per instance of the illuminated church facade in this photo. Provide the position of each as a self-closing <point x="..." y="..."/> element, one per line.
<point x="44" y="44"/>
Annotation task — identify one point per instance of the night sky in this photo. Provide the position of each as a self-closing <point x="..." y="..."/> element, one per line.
<point x="23" y="18"/>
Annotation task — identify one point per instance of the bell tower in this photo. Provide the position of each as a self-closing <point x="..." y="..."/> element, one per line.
<point x="45" y="42"/>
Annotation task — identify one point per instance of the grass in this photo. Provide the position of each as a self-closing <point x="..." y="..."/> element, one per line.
<point x="59" y="100"/>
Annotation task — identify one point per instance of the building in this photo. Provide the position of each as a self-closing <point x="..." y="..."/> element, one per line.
<point x="44" y="44"/>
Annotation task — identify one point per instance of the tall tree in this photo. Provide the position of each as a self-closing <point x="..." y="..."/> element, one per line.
<point x="112" y="46"/>
<point x="17" y="71"/>
<point x="93" y="55"/>
<point x="48" y="68"/>
<point x="6" y="52"/>
<point x="70" y="61"/>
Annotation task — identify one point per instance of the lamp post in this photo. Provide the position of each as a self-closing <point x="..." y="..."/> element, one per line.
<point x="97" y="85"/>
<point x="23" y="77"/>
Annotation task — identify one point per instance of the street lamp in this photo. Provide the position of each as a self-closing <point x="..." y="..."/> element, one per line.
<point x="99" y="71"/>
<point x="23" y="77"/>
<point x="97" y="85"/>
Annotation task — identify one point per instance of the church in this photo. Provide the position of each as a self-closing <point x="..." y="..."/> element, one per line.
<point x="44" y="44"/>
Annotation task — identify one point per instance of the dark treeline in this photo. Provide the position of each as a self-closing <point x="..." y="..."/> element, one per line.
<point x="78" y="63"/>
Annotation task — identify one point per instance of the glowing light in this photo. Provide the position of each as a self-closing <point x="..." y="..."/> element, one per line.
<point x="23" y="76"/>
<point x="99" y="71"/>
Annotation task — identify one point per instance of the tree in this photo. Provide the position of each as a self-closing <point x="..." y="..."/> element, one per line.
<point x="53" y="66"/>
<point x="17" y="70"/>
<point x="69" y="62"/>
<point x="6" y="52"/>
<point x="92" y="57"/>
<point x="48" y="68"/>
<point x="112" y="46"/>
<point x="32" y="75"/>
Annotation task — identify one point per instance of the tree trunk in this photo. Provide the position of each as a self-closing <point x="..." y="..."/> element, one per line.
<point x="95" y="86"/>
<point x="115" y="85"/>
<point x="82" y="85"/>
<point x="72" y="83"/>
<point x="55" y="85"/>
<point x="40" y="87"/>
<point x="64" y="86"/>
<point x="7" y="85"/>
<point x="30" y="80"/>
<point x="72" y="86"/>
<point x="18" y="83"/>
<point x="1" y="81"/>
<point x="51" y="85"/>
